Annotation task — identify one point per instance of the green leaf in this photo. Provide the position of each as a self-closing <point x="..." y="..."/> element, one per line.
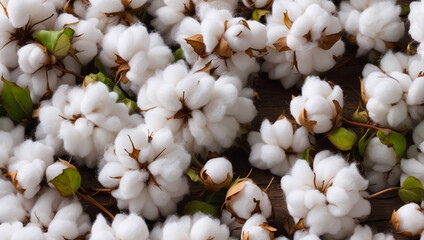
<point x="3" y="112"/>
<point x="360" y="115"/>
<point x="235" y="182"/>
<point x="178" y="54"/>
<point x="194" y="175"/>
<point x="68" y="182"/>
<point x="411" y="190"/>
<point x="58" y="42"/>
<point x="199" y="206"/>
<point x="405" y="9"/>
<point x="131" y="105"/>
<point x="365" y="139"/>
<point x="99" y="77"/>
<point x="99" y="65"/>
<point x="259" y="13"/>
<point x="121" y="95"/>
<point x="16" y="101"/>
<point x="342" y="138"/>
<point x="305" y="155"/>
<point x="395" y="140"/>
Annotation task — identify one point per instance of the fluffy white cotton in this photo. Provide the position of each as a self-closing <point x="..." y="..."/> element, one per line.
<point x="329" y="197"/>
<point x="405" y="214"/>
<point x="16" y="231"/>
<point x="296" y="44"/>
<point x="381" y="165"/>
<point x="203" y="113"/>
<point x="277" y="146"/>
<point x="230" y="45"/>
<point x="83" y="122"/>
<point x="148" y="171"/>
<point x="142" y="52"/>
<point x="365" y="233"/>
<point x="232" y="223"/>
<point x="63" y="218"/>
<point x="318" y="103"/>
<point x="248" y="201"/>
<point x="30" y="160"/>
<point x="196" y="227"/>
<point x="124" y="227"/>
<point x="32" y="57"/>
<point x="10" y="137"/>
<point x="257" y="228"/>
<point x="110" y="13"/>
<point x="13" y="205"/>
<point x="392" y="90"/>
<point x="257" y="3"/>
<point x="415" y="16"/>
<point x="23" y="14"/>
<point x="217" y="173"/>
<point x="372" y="24"/>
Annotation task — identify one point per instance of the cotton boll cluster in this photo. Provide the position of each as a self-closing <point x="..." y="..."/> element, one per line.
<point x="328" y="198"/>
<point x="10" y="136"/>
<point x="217" y="173"/>
<point x="303" y="37"/>
<point x="203" y="113"/>
<point x="257" y="228"/>
<point x="372" y="24"/>
<point x="415" y="18"/>
<point x="319" y="106"/>
<point x="413" y="165"/>
<point x="146" y="169"/>
<point x="62" y="217"/>
<point x="124" y="227"/>
<point x="83" y="122"/>
<point x="86" y="38"/>
<point x="381" y="165"/>
<point x="17" y="231"/>
<point x="18" y="22"/>
<point x="393" y="90"/>
<point x="29" y="161"/>
<point x="228" y="45"/>
<point x="277" y="146"/>
<point x="198" y="226"/>
<point x="402" y="219"/>
<point x="134" y="53"/>
<point x="245" y="198"/>
<point x="168" y="14"/>
<point x="13" y="205"/>
<point x="365" y="233"/>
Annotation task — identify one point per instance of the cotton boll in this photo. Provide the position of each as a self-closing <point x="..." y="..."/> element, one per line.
<point x="256" y="227"/>
<point x="31" y="58"/>
<point x="405" y="214"/>
<point x="217" y="172"/>
<point x="130" y="227"/>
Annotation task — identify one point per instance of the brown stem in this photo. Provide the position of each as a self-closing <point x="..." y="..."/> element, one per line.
<point x="381" y="192"/>
<point x="364" y="125"/>
<point x="94" y="202"/>
<point x="70" y="72"/>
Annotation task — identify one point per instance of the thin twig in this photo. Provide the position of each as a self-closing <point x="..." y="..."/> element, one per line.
<point x="70" y="72"/>
<point x="381" y="192"/>
<point x="385" y="130"/>
<point x="94" y="202"/>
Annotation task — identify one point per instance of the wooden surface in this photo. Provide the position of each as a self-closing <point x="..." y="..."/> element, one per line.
<point x="273" y="101"/>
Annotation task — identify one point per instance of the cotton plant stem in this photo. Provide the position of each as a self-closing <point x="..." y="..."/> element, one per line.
<point x="381" y="192"/>
<point x="70" y="72"/>
<point x="364" y="125"/>
<point x="94" y="202"/>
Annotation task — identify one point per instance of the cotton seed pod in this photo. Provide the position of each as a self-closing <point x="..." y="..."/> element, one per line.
<point x="217" y="174"/>
<point x="257" y="228"/>
<point x="245" y="198"/>
<point x="408" y="220"/>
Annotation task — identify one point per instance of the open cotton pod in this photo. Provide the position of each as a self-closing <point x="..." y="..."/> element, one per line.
<point x="123" y="227"/>
<point x="217" y="173"/>
<point x="257" y="228"/>
<point x="408" y="220"/>
<point x="245" y="198"/>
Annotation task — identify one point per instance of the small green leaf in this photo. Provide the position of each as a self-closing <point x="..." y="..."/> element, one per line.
<point x="99" y="77"/>
<point x="365" y="139"/>
<point x="58" y="42"/>
<point x="305" y="155"/>
<point x="131" y="105"/>
<point x="360" y="115"/>
<point x="411" y="190"/>
<point x="199" y="206"/>
<point x="342" y="138"/>
<point x="99" y="65"/>
<point x="178" y="54"/>
<point x="16" y="101"/>
<point x="405" y="9"/>
<point x="121" y="95"/>
<point x="259" y="13"/>
<point x="68" y="182"/>
<point x="395" y="140"/>
<point x="194" y="175"/>
<point x="235" y="182"/>
<point x="3" y="112"/>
